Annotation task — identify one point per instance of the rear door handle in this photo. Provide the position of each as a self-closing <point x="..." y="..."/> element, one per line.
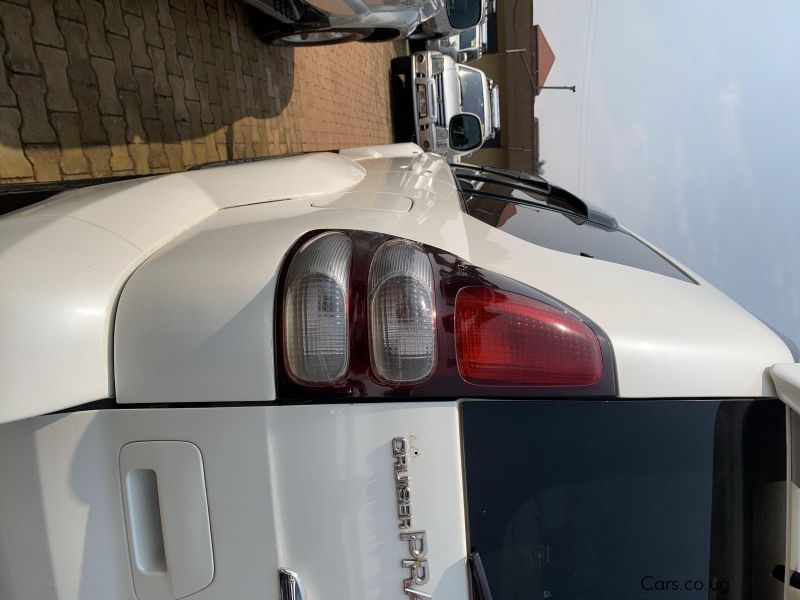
<point x="166" y="513"/>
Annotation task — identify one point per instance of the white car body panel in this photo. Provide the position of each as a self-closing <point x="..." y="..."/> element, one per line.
<point x="309" y="488"/>
<point x="210" y="324"/>
<point x="64" y="261"/>
<point x="660" y="351"/>
<point x="186" y="295"/>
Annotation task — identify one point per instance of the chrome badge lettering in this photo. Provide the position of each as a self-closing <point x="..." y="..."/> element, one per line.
<point x="417" y="564"/>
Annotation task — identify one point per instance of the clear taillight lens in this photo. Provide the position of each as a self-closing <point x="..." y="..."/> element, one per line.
<point x="402" y="313"/>
<point x="315" y="324"/>
<point x="505" y="339"/>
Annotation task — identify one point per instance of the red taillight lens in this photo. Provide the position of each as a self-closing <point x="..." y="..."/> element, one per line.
<point x="505" y="339"/>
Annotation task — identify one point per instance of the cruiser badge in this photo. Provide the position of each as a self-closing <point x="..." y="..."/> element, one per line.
<point x="416" y="564"/>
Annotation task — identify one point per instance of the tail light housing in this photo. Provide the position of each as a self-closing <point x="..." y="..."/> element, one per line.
<point x="367" y="315"/>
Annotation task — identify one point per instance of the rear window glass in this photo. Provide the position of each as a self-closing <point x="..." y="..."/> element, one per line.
<point x="565" y="232"/>
<point x="627" y="499"/>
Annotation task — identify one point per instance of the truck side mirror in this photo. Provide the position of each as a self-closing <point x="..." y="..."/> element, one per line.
<point x="465" y="132"/>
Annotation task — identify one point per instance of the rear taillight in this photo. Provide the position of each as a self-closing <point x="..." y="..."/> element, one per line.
<point x="402" y="313"/>
<point x="367" y="315"/>
<point x="507" y="339"/>
<point x="315" y="322"/>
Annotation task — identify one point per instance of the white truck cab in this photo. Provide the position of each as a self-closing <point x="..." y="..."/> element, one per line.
<point x="372" y="374"/>
<point x="443" y="90"/>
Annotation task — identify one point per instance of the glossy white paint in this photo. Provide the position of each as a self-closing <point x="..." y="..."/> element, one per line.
<point x="59" y="281"/>
<point x="310" y="488"/>
<point x="185" y="333"/>
<point x="195" y="322"/>
<point x="64" y="261"/>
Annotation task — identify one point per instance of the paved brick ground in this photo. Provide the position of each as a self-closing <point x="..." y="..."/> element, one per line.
<point x="120" y="87"/>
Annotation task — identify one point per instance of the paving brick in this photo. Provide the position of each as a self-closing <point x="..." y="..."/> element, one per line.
<point x="213" y="20"/>
<point x="17" y="21"/>
<point x="99" y="157"/>
<point x="160" y="80"/>
<point x="205" y="107"/>
<point x="164" y="14"/>
<point x="120" y="159"/>
<point x="194" y="119"/>
<point x="45" y="161"/>
<point x="132" y="6"/>
<point x="181" y="112"/>
<point x="105" y="71"/>
<point x="234" y="35"/>
<point x="146" y="93"/>
<point x="226" y="47"/>
<point x="200" y="151"/>
<point x="135" y="133"/>
<point x="152" y="35"/>
<point x="185" y="137"/>
<point x="190" y="86"/>
<point x="95" y="17"/>
<point x="88" y="99"/>
<point x="181" y="36"/>
<point x="54" y="63"/>
<point x="36" y="127"/>
<point x="114" y="19"/>
<point x="171" y="52"/>
<point x="79" y="68"/>
<point x="138" y="48"/>
<point x="13" y="164"/>
<point x="69" y="9"/>
<point x="174" y="156"/>
<point x="158" y="157"/>
<point x="205" y="42"/>
<point x="73" y="161"/>
<point x="122" y="60"/>
<point x="45" y="30"/>
<point x="196" y="57"/>
<point x="166" y="113"/>
<point x="7" y="96"/>
<point x="201" y="10"/>
<point x="191" y="19"/>
<point x="140" y="153"/>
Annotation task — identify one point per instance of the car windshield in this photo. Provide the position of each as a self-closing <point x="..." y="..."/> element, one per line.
<point x="625" y="499"/>
<point x="463" y="14"/>
<point x="471" y="92"/>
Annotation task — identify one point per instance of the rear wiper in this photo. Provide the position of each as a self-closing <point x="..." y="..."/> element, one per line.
<point x="477" y="577"/>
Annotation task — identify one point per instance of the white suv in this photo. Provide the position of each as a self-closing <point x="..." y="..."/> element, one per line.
<point x="373" y="375"/>
<point x="455" y="108"/>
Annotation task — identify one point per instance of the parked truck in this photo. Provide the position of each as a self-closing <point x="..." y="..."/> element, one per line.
<point x="455" y="108"/>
